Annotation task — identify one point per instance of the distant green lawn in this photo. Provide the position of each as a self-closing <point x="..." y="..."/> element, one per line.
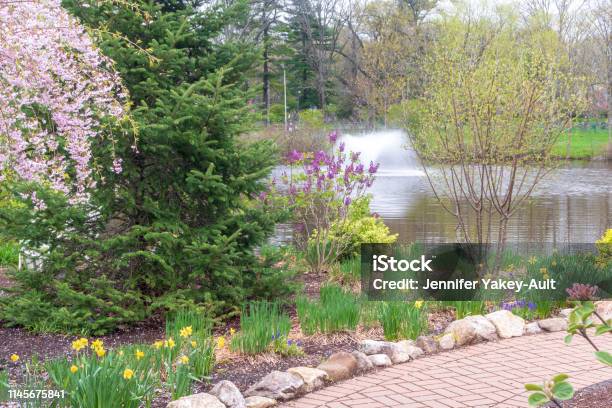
<point x="585" y="144"/>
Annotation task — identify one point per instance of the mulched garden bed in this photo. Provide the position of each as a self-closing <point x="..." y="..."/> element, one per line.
<point x="595" y="396"/>
<point x="242" y="370"/>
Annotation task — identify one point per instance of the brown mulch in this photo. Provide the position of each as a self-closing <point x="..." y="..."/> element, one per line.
<point x="595" y="396"/>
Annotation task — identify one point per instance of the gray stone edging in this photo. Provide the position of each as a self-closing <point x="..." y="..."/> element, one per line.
<point x="298" y="381"/>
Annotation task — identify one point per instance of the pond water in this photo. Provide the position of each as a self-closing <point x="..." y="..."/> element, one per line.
<point x="572" y="204"/>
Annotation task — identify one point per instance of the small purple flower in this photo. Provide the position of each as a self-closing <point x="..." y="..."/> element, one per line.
<point x="320" y="156"/>
<point x="294" y="156"/>
<point x="359" y="168"/>
<point x="263" y="195"/>
<point x="355" y="156"/>
<point x="373" y="167"/>
<point x="333" y="136"/>
<point x="341" y="147"/>
<point x="289" y="342"/>
<point x="347" y="201"/>
<point x="531" y="305"/>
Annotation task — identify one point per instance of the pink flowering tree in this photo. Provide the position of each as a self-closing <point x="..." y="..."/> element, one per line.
<point x="59" y="97"/>
<point x="320" y="190"/>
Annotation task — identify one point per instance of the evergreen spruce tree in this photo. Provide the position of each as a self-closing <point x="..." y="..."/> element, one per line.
<point x="177" y="227"/>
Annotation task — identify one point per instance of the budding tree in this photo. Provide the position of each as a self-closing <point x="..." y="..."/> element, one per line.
<point x="498" y="96"/>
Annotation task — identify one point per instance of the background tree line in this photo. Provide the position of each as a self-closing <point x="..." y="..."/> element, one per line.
<point x="357" y="59"/>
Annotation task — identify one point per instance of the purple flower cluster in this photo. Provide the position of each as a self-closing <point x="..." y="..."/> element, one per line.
<point x="338" y="175"/>
<point x="519" y="304"/>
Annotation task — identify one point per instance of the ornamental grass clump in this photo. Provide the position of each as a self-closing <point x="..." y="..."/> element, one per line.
<point x="403" y="320"/>
<point x="337" y="310"/>
<point x="464" y="308"/>
<point x="261" y="324"/>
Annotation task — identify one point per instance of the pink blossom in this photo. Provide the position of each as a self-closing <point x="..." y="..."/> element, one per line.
<point x="55" y="85"/>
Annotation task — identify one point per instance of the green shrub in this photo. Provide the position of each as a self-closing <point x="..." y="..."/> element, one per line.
<point x="604" y="246"/>
<point x="336" y="310"/>
<point x="312" y="118"/>
<point x="274" y="274"/>
<point x="179" y="224"/>
<point x="74" y="304"/>
<point x="403" y="320"/>
<point x="261" y="323"/>
<point x="277" y="113"/>
<point x="360" y="227"/>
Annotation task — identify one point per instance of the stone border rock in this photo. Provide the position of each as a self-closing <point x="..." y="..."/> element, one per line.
<point x="297" y="381"/>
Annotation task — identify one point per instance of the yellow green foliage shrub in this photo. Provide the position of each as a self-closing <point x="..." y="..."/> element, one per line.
<point x="361" y="227"/>
<point x="604" y="246"/>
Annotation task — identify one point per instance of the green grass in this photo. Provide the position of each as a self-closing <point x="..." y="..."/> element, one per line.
<point x="4" y="386"/>
<point x="337" y="310"/>
<point x="464" y="308"/>
<point x="402" y="320"/>
<point x="585" y="144"/>
<point x="261" y="324"/>
<point x="9" y="253"/>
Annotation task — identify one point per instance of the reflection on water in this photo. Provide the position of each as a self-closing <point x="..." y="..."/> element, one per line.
<point x="571" y="205"/>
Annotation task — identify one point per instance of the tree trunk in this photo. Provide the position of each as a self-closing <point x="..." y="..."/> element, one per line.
<point x="266" y="75"/>
<point x="609" y="99"/>
<point x="321" y="88"/>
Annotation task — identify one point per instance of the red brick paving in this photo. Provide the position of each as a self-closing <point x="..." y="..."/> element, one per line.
<point x="484" y="375"/>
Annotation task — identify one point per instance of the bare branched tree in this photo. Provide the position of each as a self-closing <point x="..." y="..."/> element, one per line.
<point x="497" y="99"/>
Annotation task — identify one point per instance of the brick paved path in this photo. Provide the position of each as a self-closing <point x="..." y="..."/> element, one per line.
<point x="483" y="375"/>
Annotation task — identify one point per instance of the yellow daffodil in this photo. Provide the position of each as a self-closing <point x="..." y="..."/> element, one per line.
<point x="543" y="271"/>
<point x="74" y="369"/>
<point x="100" y="352"/>
<point x="127" y="373"/>
<point x="194" y="343"/>
<point x="97" y="344"/>
<point x="418" y="304"/>
<point x="139" y="354"/>
<point x="186" y="331"/>
<point x="170" y="343"/>
<point x="80" y="344"/>
<point x="120" y="352"/>
<point x="554" y="263"/>
<point x="221" y="342"/>
<point x="184" y="359"/>
<point x="158" y="344"/>
<point x="14" y="358"/>
<point x="232" y="331"/>
<point x="532" y="260"/>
